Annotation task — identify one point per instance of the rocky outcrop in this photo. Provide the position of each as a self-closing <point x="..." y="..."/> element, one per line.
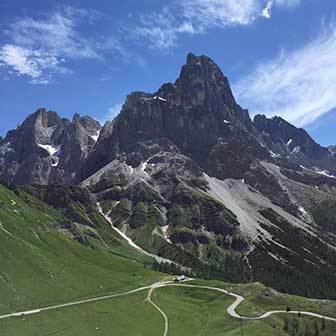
<point x="332" y="150"/>
<point x="47" y="149"/>
<point x="293" y="144"/>
<point x="197" y="114"/>
<point x="187" y="175"/>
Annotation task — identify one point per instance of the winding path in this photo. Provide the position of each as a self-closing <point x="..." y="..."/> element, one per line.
<point x="231" y="310"/>
<point x="158" y="308"/>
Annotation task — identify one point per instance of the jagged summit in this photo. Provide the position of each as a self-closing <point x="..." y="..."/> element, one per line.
<point x="47" y="149"/>
<point x="197" y="114"/>
<point x="187" y="175"/>
<point x="295" y="144"/>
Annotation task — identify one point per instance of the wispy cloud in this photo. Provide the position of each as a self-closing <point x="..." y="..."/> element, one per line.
<point x="112" y="112"/>
<point x="267" y="11"/>
<point x="28" y="62"/>
<point x="41" y="46"/>
<point x="298" y="86"/>
<point x="208" y="13"/>
<point x="163" y="27"/>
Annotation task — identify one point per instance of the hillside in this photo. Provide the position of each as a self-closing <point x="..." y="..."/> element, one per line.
<point x="188" y="176"/>
<point x="39" y="252"/>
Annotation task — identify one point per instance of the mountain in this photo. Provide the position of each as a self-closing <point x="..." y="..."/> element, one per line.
<point x="294" y="144"/>
<point x="187" y="175"/>
<point x="46" y="149"/>
<point x="197" y="115"/>
<point x="332" y="150"/>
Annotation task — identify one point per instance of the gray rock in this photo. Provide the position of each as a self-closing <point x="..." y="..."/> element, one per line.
<point x="47" y="149"/>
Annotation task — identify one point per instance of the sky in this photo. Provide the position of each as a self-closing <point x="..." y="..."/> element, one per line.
<point x="85" y="56"/>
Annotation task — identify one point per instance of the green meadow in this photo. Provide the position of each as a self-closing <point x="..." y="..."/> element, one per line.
<point x="41" y="264"/>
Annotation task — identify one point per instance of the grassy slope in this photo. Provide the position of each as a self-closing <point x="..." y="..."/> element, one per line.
<point x="123" y="316"/>
<point x="191" y="312"/>
<point x="259" y="299"/>
<point x="40" y="265"/>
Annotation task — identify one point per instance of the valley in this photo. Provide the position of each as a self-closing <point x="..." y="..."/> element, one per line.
<point x="96" y="220"/>
<point x="95" y="289"/>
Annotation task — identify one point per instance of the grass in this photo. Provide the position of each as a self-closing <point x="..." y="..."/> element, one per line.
<point x="121" y="316"/>
<point x="260" y="299"/>
<point x="190" y="311"/>
<point x="41" y="265"/>
<point x="201" y="312"/>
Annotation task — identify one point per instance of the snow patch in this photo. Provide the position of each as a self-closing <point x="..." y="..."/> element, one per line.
<point x="324" y="173"/>
<point x="52" y="150"/>
<point x="55" y="163"/>
<point x="144" y="166"/>
<point x="159" y="98"/>
<point x="95" y="136"/>
<point x="227" y="122"/>
<point x="296" y="150"/>
<point x="303" y="211"/>
<point x="131" y="169"/>
<point x="289" y="142"/>
<point x="274" y="155"/>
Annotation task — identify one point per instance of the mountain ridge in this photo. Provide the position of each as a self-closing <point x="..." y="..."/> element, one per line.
<point x="189" y="176"/>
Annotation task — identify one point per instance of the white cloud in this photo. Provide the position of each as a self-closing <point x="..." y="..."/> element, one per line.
<point x="208" y="13"/>
<point x="160" y="29"/>
<point x="112" y="112"/>
<point x="40" y="47"/>
<point x="163" y="27"/>
<point x="267" y="11"/>
<point x="298" y="86"/>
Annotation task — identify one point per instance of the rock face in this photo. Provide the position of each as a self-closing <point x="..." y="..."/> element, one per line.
<point x="187" y="175"/>
<point x="332" y="150"/>
<point x="46" y="149"/>
<point x="197" y="114"/>
<point x="294" y="144"/>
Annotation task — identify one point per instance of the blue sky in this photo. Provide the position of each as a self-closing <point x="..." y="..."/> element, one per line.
<point x="86" y="56"/>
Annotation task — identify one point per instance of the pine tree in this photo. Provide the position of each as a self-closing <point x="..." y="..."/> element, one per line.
<point x="316" y="329"/>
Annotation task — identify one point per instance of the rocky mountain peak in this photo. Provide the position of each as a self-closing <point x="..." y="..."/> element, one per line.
<point x="197" y="114"/>
<point x="42" y="118"/>
<point x="201" y="83"/>
<point x="295" y="144"/>
<point x="46" y="148"/>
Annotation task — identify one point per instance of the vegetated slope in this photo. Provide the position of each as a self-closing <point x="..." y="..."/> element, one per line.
<point x="188" y="311"/>
<point x="47" y="258"/>
<point x="54" y="255"/>
<point x="187" y="175"/>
